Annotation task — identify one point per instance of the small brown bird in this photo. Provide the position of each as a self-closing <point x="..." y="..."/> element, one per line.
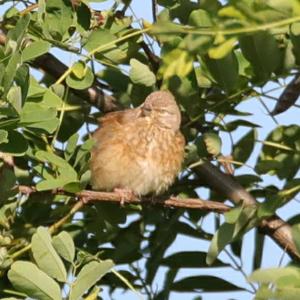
<point x="139" y="150"/>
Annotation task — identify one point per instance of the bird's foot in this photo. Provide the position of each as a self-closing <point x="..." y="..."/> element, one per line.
<point x="125" y="195"/>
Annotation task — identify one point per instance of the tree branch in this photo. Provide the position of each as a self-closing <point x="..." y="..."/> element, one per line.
<point x="204" y="205"/>
<point x="154" y="10"/>
<point x="87" y="196"/>
<point x="55" y="68"/>
<point x="275" y="227"/>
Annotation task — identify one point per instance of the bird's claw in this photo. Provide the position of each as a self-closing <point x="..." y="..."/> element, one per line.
<point x="125" y="195"/>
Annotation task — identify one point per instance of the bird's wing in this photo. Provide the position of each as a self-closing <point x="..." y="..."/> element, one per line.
<point x="120" y="117"/>
<point x="180" y="140"/>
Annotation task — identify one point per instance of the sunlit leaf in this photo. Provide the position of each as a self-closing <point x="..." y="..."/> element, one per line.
<point x="141" y="74"/>
<point x="85" y="79"/>
<point x="64" y="245"/>
<point x="222" y="237"/>
<point x="45" y="255"/>
<point x="35" y="49"/>
<point x="27" y="278"/>
<point x="88" y="276"/>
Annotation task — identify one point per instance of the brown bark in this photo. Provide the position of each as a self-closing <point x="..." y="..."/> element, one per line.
<point x="275" y="227"/>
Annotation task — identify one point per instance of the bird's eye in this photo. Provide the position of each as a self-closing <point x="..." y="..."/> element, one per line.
<point x="146" y="111"/>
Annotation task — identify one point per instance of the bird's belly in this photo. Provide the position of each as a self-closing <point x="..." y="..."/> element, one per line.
<point x="139" y="169"/>
<point x="150" y="179"/>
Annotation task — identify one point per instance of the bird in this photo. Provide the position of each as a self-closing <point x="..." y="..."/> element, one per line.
<point x="139" y="150"/>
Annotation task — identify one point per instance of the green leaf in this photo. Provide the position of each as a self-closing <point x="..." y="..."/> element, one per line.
<point x="73" y="187"/>
<point x="231" y="126"/>
<point x="51" y="184"/>
<point x="51" y="99"/>
<point x="276" y="275"/>
<point x="259" y="249"/>
<point x="205" y="284"/>
<point x="57" y="161"/>
<point x="16" y="145"/>
<point x="79" y="69"/>
<point x="141" y="74"/>
<point x="35" y="113"/>
<point x="35" y="49"/>
<point x="233" y="215"/>
<point x="14" y="96"/>
<point x="221" y="238"/>
<point x="58" y="18"/>
<point x="10" y="71"/>
<point x="88" y="276"/>
<point x="176" y="63"/>
<point x="35" y="89"/>
<point x="84" y="150"/>
<point x="296" y="236"/>
<point x="17" y="33"/>
<point x="27" y="278"/>
<point x="45" y="255"/>
<point x="64" y="245"/>
<point x="22" y="80"/>
<point x="223" y="49"/>
<point x="7" y="185"/>
<point x="244" y="147"/>
<point x="269" y="207"/>
<point x="295" y="38"/>
<point x="261" y="50"/>
<point x="114" y="53"/>
<point x="3" y="136"/>
<point x="80" y="83"/>
<point x="213" y="143"/>
<point x="83" y="13"/>
<point x="189" y="259"/>
<point x="49" y="126"/>
<point x="85" y="179"/>
<point x="225" y="71"/>
<point x="200" y="18"/>
<point x="265" y="166"/>
<point x="71" y="146"/>
<point x="67" y="173"/>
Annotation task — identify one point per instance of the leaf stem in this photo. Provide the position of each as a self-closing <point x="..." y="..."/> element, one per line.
<point x="61" y="116"/>
<point x="127" y="283"/>
<point x="112" y="43"/>
<point x="237" y="31"/>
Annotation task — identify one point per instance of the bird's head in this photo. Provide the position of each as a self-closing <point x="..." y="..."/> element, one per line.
<point x="162" y="108"/>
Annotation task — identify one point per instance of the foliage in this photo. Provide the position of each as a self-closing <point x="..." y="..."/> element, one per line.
<point x="213" y="56"/>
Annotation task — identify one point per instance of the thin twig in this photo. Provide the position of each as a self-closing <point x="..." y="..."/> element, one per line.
<point x="241" y="270"/>
<point x="154" y="10"/>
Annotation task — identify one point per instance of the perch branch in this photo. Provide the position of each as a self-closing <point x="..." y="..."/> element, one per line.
<point x="92" y="196"/>
<point x="205" y="205"/>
